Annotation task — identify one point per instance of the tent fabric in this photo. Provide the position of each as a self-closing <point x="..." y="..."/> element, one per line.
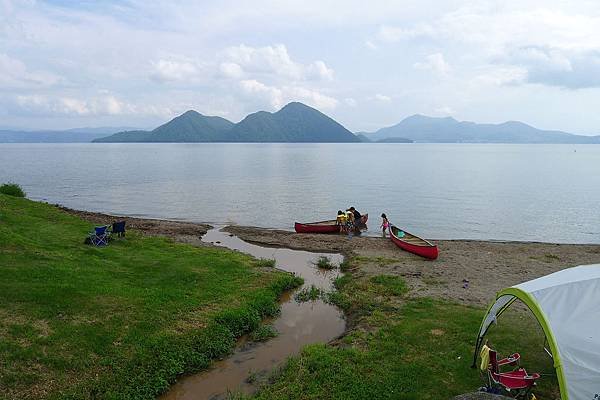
<point x="567" y="305"/>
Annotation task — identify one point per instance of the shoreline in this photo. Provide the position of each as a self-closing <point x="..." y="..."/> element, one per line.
<point x="487" y="266"/>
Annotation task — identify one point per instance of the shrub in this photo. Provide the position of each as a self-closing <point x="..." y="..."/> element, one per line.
<point x="324" y="263"/>
<point x="262" y="333"/>
<point x="311" y="293"/>
<point x="12" y="189"/>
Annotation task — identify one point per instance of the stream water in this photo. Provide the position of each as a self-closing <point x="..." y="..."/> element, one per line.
<point x="298" y="324"/>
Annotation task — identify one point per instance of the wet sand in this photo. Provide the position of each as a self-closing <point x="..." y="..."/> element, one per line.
<point x="487" y="266"/>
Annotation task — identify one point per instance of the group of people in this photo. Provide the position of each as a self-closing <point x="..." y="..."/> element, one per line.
<point x="348" y="221"/>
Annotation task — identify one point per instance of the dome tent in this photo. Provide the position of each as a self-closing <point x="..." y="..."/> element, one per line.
<point x="567" y="307"/>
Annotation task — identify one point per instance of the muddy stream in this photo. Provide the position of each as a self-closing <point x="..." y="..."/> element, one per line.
<point x="298" y="324"/>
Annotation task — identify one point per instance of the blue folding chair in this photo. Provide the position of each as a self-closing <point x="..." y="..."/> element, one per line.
<point x="100" y="236"/>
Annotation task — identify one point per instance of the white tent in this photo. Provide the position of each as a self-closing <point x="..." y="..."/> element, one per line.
<point x="567" y="306"/>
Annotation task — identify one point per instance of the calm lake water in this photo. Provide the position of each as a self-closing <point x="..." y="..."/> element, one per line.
<point x="442" y="191"/>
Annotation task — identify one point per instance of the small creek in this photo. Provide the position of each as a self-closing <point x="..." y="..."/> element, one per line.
<point x="298" y="324"/>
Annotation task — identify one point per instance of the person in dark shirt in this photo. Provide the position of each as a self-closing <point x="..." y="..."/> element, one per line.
<point x="357" y="215"/>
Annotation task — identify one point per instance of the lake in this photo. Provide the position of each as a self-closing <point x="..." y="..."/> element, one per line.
<point x="547" y="193"/>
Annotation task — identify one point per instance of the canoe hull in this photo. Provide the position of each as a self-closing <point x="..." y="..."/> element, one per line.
<point x="326" y="226"/>
<point x="316" y="228"/>
<point x="427" y="250"/>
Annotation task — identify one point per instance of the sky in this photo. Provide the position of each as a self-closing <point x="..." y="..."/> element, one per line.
<point x="367" y="64"/>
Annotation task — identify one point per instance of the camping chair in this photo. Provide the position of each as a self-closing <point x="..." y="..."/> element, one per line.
<point x="118" y="228"/>
<point x="100" y="236"/>
<point x="517" y="381"/>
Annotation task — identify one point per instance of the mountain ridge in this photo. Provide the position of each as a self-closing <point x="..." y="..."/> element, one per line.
<point x="293" y="123"/>
<point x="424" y="129"/>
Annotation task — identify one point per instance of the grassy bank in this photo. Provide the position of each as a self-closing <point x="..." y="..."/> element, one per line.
<point x="402" y="347"/>
<point x="117" y="322"/>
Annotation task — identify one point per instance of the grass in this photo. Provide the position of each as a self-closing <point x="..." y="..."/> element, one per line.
<point x="265" y="263"/>
<point x="311" y="293"/>
<point x="263" y="333"/>
<point x="404" y="348"/>
<point x="324" y="263"/>
<point x="123" y="321"/>
<point x="12" y="189"/>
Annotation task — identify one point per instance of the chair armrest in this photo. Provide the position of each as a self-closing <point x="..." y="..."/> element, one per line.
<point x="511" y="360"/>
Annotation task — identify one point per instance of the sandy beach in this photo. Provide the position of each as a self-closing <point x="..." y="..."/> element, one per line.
<point x="487" y="266"/>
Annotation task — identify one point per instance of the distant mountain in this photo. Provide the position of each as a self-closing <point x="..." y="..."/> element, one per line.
<point x="295" y="122"/>
<point x="190" y="126"/>
<point x="362" y="137"/>
<point x="395" y="140"/>
<point x="420" y="128"/>
<point x="77" y="135"/>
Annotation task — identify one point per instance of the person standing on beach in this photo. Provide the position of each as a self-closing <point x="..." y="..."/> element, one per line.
<point x="350" y="221"/>
<point x="341" y="220"/>
<point x="385" y="224"/>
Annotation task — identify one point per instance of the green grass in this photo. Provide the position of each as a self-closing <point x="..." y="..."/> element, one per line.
<point x="405" y="348"/>
<point x="80" y="322"/>
<point x="263" y="332"/>
<point x="324" y="263"/>
<point x="311" y="293"/>
<point x="12" y="189"/>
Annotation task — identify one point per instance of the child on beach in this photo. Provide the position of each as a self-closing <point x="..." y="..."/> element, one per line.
<point x="385" y="224"/>
<point x="341" y="220"/>
<point x="349" y="222"/>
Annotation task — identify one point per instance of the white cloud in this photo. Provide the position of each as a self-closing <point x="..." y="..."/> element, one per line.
<point x="166" y="70"/>
<point x="499" y="76"/>
<point x="350" y="102"/>
<point x="444" y="110"/>
<point x="231" y="70"/>
<point x="277" y="97"/>
<point x="382" y="97"/>
<point x="391" y="34"/>
<point x="275" y="62"/>
<point x="105" y="105"/>
<point x="434" y="62"/>
<point x="320" y="70"/>
<point x="15" y="74"/>
<point x="370" y="45"/>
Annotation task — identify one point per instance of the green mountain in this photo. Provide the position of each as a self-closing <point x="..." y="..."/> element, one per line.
<point x="190" y="126"/>
<point x="296" y="122"/>
<point x="420" y="128"/>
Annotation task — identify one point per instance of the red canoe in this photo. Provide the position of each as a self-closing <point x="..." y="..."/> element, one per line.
<point x="413" y="244"/>
<point x="317" y="227"/>
<point x="324" y="226"/>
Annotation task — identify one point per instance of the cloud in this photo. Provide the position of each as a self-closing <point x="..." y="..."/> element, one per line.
<point x="277" y="97"/>
<point x="444" y="110"/>
<point x="382" y="98"/>
<point x="15" y="74"/>
<point x="391" y="34"/>
<point x="556" y="67"/>
<point x="350" y="102"/>
<point x="319" y="70"/>
<point x="275" y="61"/>
<point x="105" y="105"/>
<point x="231" y="70"/>
<point x="434" y="62"/>
<point x="169" y="70"/>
